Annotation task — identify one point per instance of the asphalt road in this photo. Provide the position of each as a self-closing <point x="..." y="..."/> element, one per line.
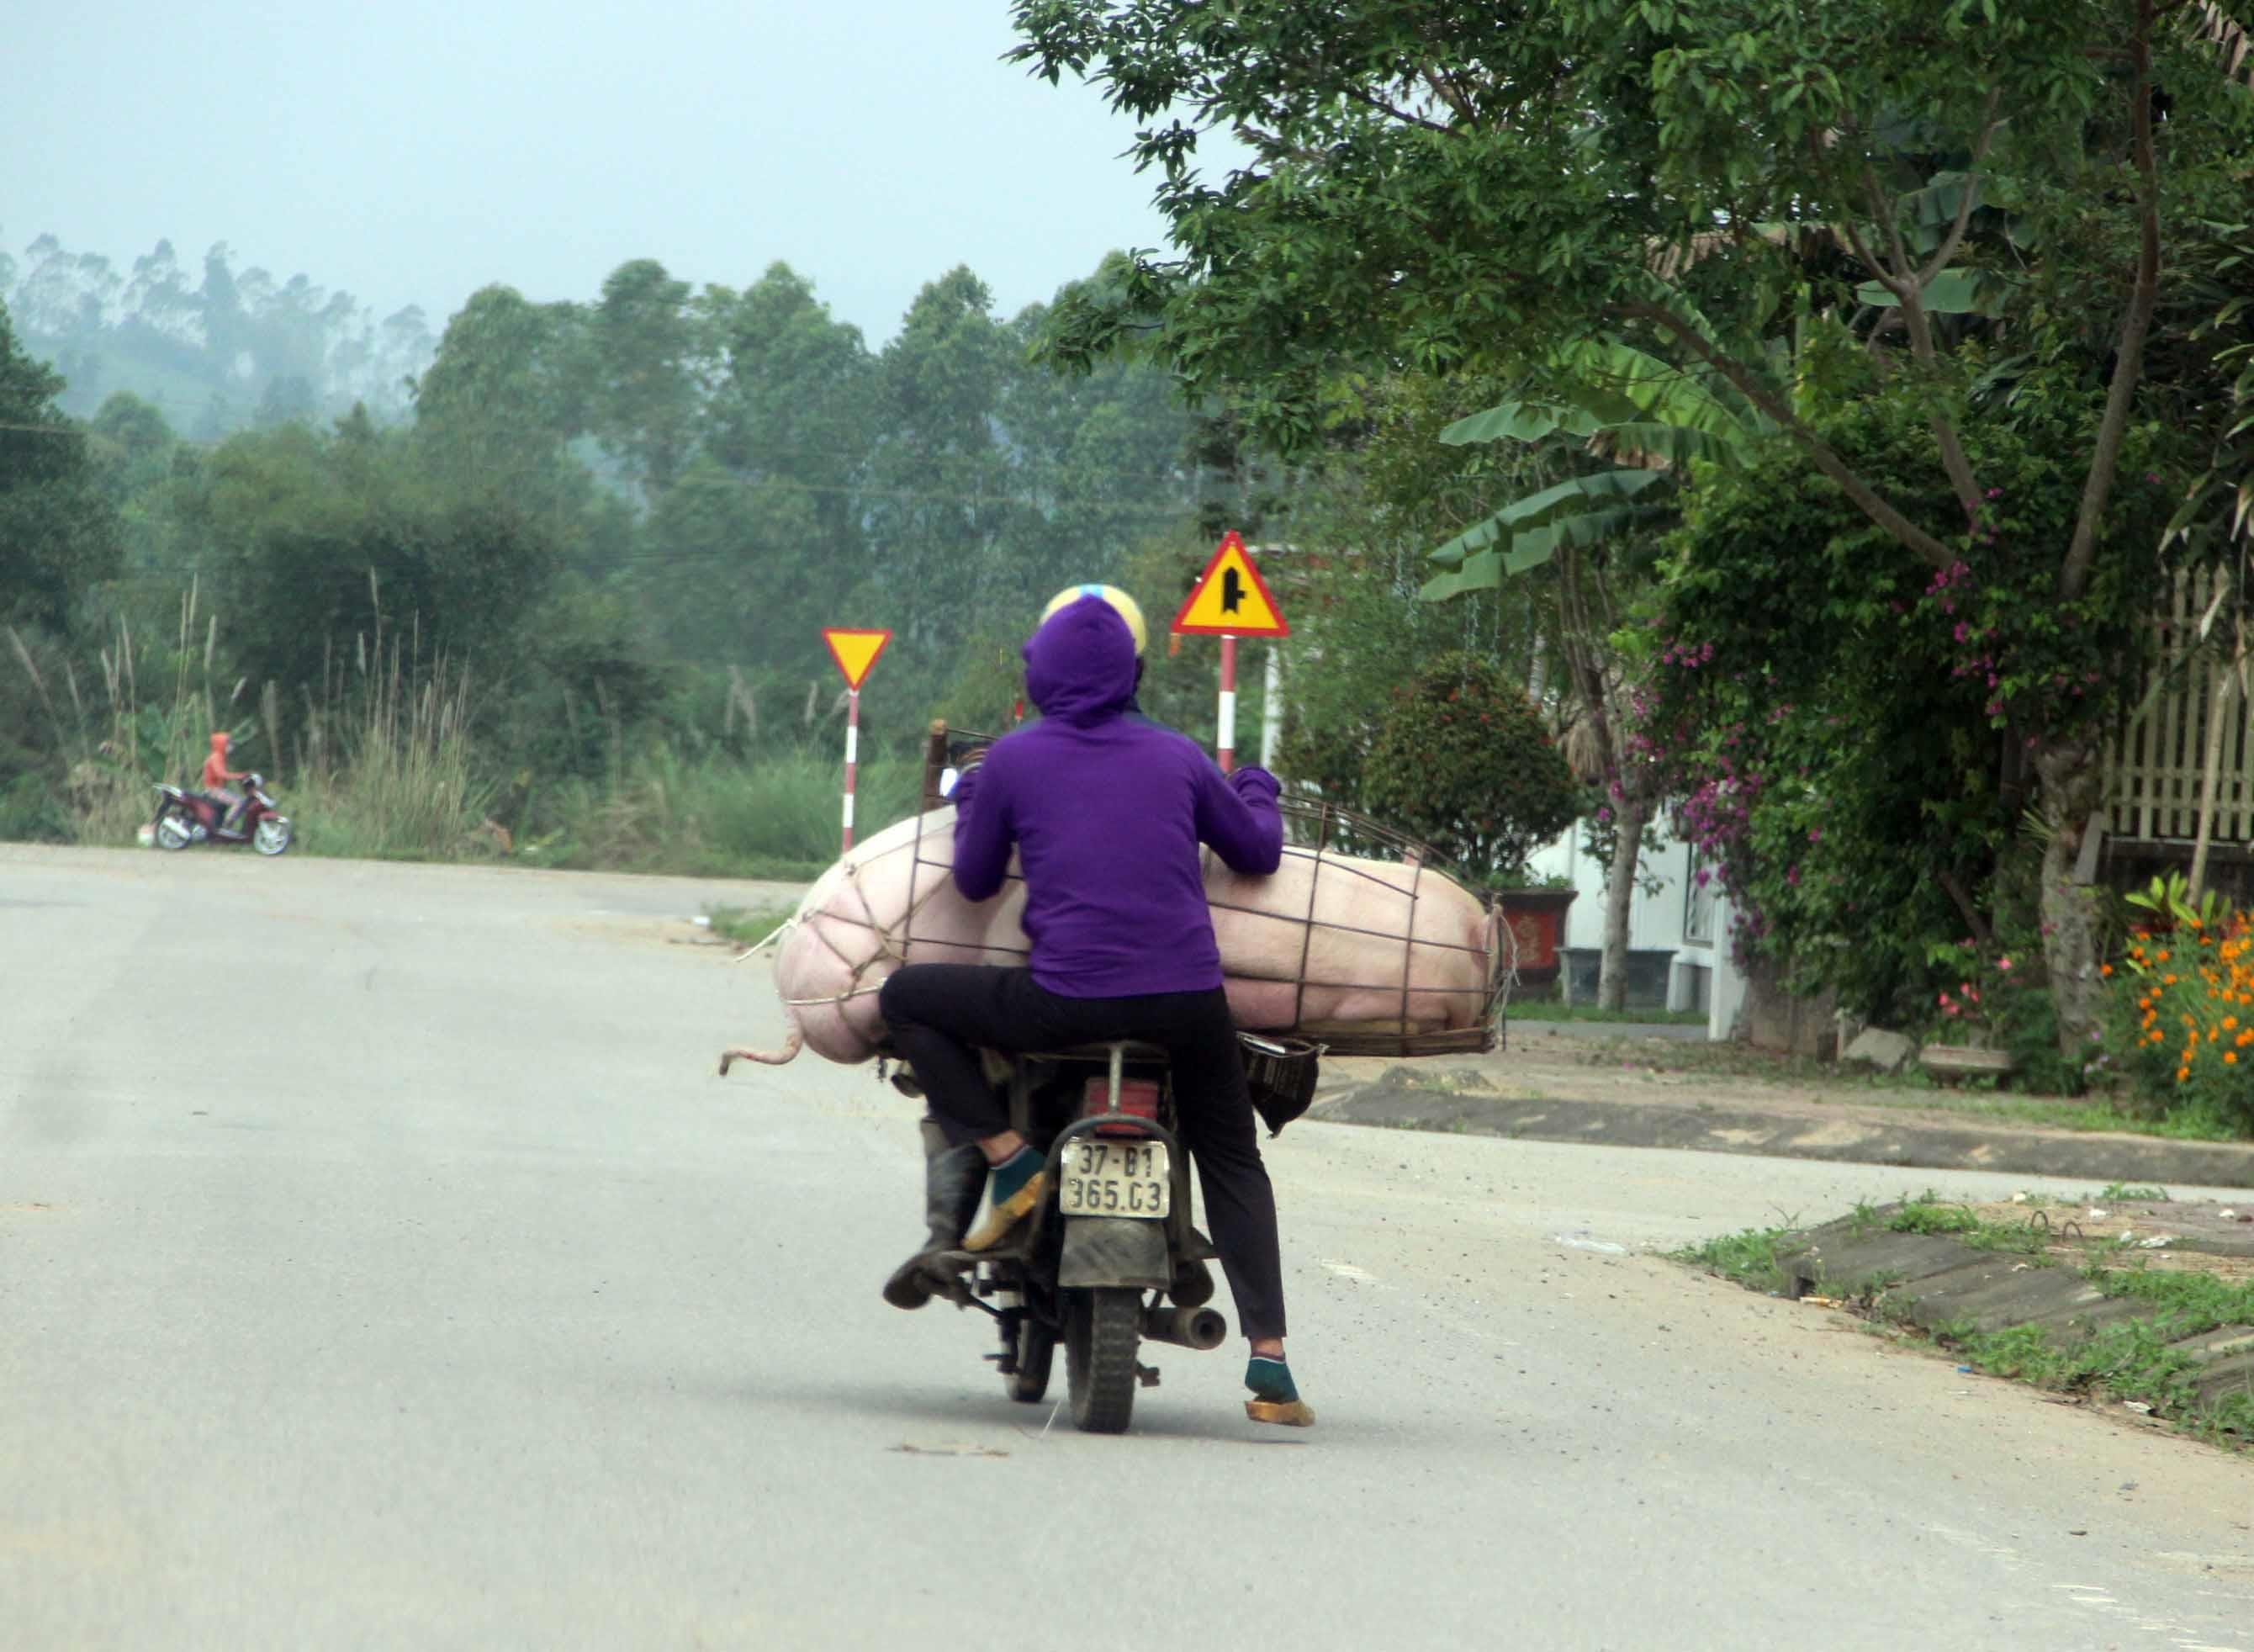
<point x="383" y="1265"/>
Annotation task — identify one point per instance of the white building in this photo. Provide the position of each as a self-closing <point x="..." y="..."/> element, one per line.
<point x="1678" y="930"/>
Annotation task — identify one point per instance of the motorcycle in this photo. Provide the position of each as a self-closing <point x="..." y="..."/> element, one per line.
<point x="1108" y="1259"/>
<point x="184" y="817"/>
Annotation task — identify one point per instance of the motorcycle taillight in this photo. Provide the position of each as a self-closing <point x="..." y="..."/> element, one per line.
<point x="1138" y="1096"/>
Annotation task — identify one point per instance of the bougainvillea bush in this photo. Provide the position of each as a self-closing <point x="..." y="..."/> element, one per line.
<point x="1463" y="761"/>
<point x="1847" y="728"/>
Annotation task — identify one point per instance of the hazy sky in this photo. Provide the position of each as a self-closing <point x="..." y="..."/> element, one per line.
<point x="412" y="151"/>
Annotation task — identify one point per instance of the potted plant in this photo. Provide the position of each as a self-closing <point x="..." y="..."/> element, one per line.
<point x="1534" y="910"/>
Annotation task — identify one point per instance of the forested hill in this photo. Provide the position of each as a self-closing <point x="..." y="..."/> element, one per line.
<point x="214" y="347"/>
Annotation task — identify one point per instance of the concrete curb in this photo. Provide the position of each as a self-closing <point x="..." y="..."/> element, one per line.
<point x="2097" y="1155"/>
<point x="1940" y="1284"/>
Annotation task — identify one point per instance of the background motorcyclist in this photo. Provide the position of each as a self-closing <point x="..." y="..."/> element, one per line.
<point x="1105" y="811"/>
<point x="218" y="779"/>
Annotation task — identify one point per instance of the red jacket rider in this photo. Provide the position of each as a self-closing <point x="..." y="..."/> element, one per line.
<point x="217" y="775"/>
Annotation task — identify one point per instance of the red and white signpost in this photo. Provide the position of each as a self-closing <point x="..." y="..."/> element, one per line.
<point x="855" y="652"/>
<point x="1230" y="600"/>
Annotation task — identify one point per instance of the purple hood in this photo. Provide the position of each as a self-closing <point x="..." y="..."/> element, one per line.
<point x="1106" y="810"/>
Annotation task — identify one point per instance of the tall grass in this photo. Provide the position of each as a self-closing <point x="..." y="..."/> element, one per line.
<point x="776" y="815"/>
<point x="382" y="761"/>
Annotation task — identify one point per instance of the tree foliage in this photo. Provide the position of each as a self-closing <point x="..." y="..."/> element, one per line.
<point x="1462" y="761"/>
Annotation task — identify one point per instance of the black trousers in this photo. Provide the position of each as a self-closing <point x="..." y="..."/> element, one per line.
<point x="941" y="1014"/>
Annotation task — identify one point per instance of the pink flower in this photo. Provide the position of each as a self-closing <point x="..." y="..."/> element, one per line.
<point x="2003" y="964"/>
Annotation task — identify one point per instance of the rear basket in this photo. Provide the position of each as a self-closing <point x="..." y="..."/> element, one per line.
<point x="1280" y="1072"/>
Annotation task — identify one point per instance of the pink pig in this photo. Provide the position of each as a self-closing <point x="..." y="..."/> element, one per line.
<point x="1327" y="943"/>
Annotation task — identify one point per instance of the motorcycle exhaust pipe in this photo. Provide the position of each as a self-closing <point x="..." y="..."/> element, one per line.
<point x="1200" y="1328"/>
<point x="1193" y="1286"/>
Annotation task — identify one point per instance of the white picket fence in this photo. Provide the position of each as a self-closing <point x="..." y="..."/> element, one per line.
<point x="2155" y="767"/>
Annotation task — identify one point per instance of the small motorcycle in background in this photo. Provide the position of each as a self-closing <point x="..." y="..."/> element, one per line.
<point x="184" y="817"/>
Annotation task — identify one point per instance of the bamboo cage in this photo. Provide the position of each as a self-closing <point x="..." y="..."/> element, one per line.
<point x="1380" y="957"/>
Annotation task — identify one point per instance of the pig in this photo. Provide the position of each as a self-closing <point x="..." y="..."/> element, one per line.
<point x="1328" y="945"/>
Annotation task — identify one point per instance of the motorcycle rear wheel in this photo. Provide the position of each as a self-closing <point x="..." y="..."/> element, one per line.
<point x="1102" y="1328"/>
<point x="172" y="831"/>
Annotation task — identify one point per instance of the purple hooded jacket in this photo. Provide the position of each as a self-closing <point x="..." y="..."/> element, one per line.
<point x="1106" y="811"/>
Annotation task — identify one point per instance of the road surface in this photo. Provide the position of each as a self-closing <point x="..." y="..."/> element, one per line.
<point x="381" y="1264"/>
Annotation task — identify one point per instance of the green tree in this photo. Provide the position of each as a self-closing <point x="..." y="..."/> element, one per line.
<point x="645" y="353"/>
<point x="504" y="394"/>
<point x="1462" y="761"/>
<point x="1450" y="188"/>
<point x="58" y="533"/>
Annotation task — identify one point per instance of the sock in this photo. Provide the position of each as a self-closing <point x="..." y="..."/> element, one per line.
<point x="1269" y="1380"/>
<point x="1012" y="1175"/>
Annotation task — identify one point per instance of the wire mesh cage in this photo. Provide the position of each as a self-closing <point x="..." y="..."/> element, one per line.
<point x="1363" y="941"/>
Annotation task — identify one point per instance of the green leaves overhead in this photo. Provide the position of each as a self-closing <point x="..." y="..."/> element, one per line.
<point x="1620" y="401"/>
<point x="1953" y="292"/>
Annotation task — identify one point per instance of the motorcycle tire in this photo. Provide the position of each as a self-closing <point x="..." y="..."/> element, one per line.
<point x="1029" y="1383"/>
<point x="276" y="840"/>
<point x="173" y="831"/>
<point x="1103" y="1327"/>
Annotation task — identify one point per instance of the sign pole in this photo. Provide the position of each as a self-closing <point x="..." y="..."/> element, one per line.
<point x="1227" y="741"/>
<point x="852" y="756"/>
<point x="1230" y="600"/>
<point x="855" y="652"/>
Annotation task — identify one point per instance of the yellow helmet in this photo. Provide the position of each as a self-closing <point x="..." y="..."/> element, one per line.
<point x="1129" y="609"/>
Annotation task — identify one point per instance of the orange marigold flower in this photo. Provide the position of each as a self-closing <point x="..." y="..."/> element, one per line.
<point x="2231" y="1024"/>
<point x="2182" y="1073"/>
<point x="2163" y="957"/>
<point x="2106" y="968"/>
<point x="2167" y="980"/>
<point x="2230" y="1058"/>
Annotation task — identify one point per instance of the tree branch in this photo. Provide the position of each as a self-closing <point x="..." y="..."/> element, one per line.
<point x="1821" y="452"/>
<point x="1369" y="99"/>
<point x="1970" y="200"/>
<point x="1971" y="913"/>
<point x="1909" y="289"/>
<point x="2136" y="325"/>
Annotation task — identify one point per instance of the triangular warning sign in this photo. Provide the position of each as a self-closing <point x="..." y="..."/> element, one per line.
<point x="856" y="651"/>
<point x="1231" y="600"/>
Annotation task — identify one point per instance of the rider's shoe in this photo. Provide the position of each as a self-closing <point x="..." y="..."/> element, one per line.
<point x="953" y="1179"/>
<point x="1019" y="1183"/>
<point x="1275" y="1397"/>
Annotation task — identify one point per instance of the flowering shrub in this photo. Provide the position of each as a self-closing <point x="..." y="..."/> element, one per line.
<point x="2182" y="1024"/>
<point x="1847" y="730"/>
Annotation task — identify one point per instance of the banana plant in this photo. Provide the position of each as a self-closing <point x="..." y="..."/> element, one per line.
<point x="1652" y="419"/>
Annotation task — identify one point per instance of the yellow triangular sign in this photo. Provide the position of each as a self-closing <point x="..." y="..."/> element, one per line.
<point x="1231" y="600"/>
<point x="856" y="651"/>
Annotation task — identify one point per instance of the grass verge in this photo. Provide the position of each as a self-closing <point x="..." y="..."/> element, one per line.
<point x="2140" y="1360"/>
<point x="1820" y="1082"/>
<point x="747" y="925"/>
<point x="1559" y="1009"/>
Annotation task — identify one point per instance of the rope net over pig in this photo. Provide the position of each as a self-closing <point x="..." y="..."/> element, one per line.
<point x="1363" y="955"/>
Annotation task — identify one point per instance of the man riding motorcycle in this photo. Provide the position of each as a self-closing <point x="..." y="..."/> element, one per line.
<point x="1106" y="811"/>
<point x="218" y="779"/>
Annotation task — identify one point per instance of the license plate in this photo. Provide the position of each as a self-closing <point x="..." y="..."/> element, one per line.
<point x="1114" y="1178"/>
